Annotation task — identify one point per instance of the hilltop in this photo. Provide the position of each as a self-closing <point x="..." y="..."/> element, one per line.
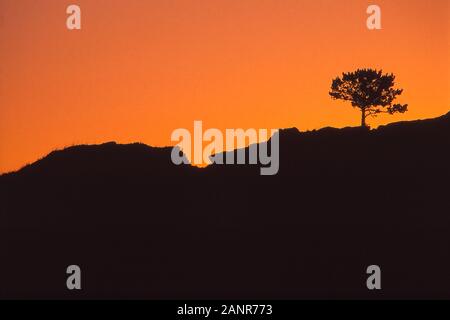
<point x="141" y="227"/>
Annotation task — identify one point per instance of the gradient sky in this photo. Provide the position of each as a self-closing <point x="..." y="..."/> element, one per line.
<point x="140" y="69"/>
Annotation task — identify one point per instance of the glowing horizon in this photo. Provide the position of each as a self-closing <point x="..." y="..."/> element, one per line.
<point x="138" y="70"/>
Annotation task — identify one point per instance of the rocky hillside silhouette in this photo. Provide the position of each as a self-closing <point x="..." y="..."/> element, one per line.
<point x="141" y="227"/>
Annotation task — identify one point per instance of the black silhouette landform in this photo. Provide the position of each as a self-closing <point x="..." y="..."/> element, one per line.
<point x="141" y="227"/>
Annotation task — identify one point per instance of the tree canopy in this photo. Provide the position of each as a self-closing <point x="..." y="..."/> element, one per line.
<point x="369" y="90"/>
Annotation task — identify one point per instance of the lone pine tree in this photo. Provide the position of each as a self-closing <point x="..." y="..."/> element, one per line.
<point x="369" y="90"/>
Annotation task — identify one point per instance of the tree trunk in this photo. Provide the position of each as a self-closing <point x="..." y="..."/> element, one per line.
<point x="363" y="118"/>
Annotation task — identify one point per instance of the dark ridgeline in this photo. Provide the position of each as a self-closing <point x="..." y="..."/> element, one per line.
<point x="140" y="227"/>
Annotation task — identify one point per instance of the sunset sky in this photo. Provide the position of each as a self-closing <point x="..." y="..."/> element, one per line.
<point x="139" y="69"/>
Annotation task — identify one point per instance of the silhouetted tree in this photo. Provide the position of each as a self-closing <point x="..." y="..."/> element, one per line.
<point x="369" y="90"/>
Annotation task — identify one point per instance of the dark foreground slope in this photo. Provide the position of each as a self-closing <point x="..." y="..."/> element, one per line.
<point x="140" y="227"/>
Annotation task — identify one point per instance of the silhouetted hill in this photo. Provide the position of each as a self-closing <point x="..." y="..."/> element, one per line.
<point x="105" y="159"/>
<point x="141" y="227"/>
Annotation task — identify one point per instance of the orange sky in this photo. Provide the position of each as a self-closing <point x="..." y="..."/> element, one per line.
<point x="140" y="69"/>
